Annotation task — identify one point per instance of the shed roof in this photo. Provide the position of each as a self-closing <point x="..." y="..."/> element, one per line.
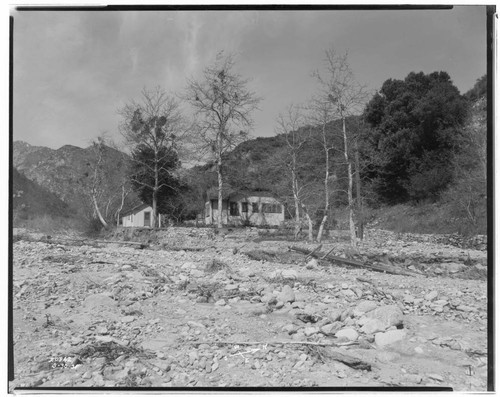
<point x="135" y="209"/>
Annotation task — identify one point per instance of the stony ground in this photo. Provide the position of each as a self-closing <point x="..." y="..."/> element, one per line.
<point x="194" y="309"/>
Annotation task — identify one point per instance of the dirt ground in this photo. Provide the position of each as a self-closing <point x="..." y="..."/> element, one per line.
<point x="237" y="308"/>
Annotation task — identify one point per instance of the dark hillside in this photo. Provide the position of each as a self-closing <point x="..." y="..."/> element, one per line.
<point x="66" y="171"/>
<point x="31" y="200"/>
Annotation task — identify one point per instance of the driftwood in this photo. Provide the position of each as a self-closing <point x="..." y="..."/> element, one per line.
<point x="346" y="359"/>
<point x="90" y="241"/>
<point x="314" y="251"/>
<point x="351" y="361"/>
<point x="352" y="262"/>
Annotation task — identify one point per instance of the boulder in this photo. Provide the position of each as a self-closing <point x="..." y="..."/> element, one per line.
<point x="312" y="264"/>
<point x="269" y="298"/>
<point x="453" y="267"/>
<point x="347" y="333"/>
<point x="388" y="315"/>
<point x="389" y="337"/>
<point x="99" y="300"/>
<point x="431" y="296"/>
<point x="364" y="306"/>
<point x="330" y="329"/>
<point x="289" y="274"/>
<point x="373" y="325"/>
<point x="308" y="331"/>
<point x="334" y="314"/>
<point x="286" y="294"/>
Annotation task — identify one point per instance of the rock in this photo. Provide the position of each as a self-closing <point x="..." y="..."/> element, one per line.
<point x="387" y="356"/>
<point x="452" y="267"/>
<point x="286" y="294"/>
<point x="407" y="298"/>
<point x="220" y="302"/>
<point x="127" y="319"/>
<point x="348" y="292"/>
<point x="101" y="330"/>
<point x="330" y="329"/>
<point x="373" y="325"/>
<point x="312" y="264"/>
<point x="269" y="298"/>
<point x="197" y="273"/>
<point x="389" y="337"/>
<point x="419" y="350"/>
<point x="431" y="296"/>
<point x="388" y="315"/>
<point x="99" y="300"/>
<point x="413" y="378"/>
<point x="465" y="308"/>
<point x="364" y="306"/>
<point x="290" y="328"/>
<point x="347" y="333"/>
<point x="347" y="313"/>
<point x="193" y="356"/>
<point x="289" y="274"/>
<point x="308" y="331"/>
<point x="437" y="377"/>
<point x="334" y="314"/>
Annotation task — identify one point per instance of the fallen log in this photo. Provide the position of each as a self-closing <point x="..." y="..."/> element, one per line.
<point x="351" y="262"/>
<point x="89" y="241"/>
<point x="351" y="361"/>
<point x="314" y="251"/>
<point x="346" y="359"/>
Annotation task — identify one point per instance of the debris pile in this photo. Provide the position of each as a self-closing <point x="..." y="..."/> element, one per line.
<point x="272" y="314"/>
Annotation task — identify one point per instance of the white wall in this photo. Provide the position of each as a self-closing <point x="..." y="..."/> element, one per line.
<point x="137" y="219"/>
<point x="255" y="218"/>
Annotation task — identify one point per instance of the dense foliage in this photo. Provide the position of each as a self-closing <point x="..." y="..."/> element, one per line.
<point x="143" y="179"/>
<point x="415" y="126"/>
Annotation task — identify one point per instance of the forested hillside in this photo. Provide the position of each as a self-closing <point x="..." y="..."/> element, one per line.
<point x="419" y="142"/>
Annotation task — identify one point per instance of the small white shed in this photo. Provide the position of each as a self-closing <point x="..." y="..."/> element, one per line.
<point x="139" y="216"/>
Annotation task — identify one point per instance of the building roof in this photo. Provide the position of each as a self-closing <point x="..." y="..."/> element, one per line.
<point x="213" y="194"/>
<point x="135" y="210"/>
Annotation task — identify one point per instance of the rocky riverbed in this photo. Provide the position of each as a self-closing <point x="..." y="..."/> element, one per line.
<point x="193" y="309"/>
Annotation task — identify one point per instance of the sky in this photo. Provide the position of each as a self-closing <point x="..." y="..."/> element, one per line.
<point x="74" y="70"/>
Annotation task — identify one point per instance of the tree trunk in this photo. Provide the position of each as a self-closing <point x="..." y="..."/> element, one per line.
<point x="296" y="200"/>
<point x="154" y="216"/>
<point x="352" y="226"/>
<point x="122" y="203"/>
<point x="327" y="193"/>
<point x="98" y="212"/>
<point x="310" y="231"/>
<point x="360" y="215"/>
<point x="219" y="178"/>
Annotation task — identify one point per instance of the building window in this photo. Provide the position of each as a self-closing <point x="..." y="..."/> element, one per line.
<point x="233" y="209"/>
<point x="255" y="207"/>
<point x="271" y="208"/>
<point x="244" y="207"/>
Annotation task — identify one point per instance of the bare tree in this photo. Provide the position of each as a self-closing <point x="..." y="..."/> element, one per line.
<point x="151" y="128"/>
<point x="321" y="113"/>
<point x="105" y="184"/>
<point x="223" y="108"/>
<point x="338" y="86"/>
<point x="291" y="128"/>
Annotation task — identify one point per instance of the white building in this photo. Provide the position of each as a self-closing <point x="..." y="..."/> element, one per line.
<point x="254" y="208"/>
<point x="139" y="216"/>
